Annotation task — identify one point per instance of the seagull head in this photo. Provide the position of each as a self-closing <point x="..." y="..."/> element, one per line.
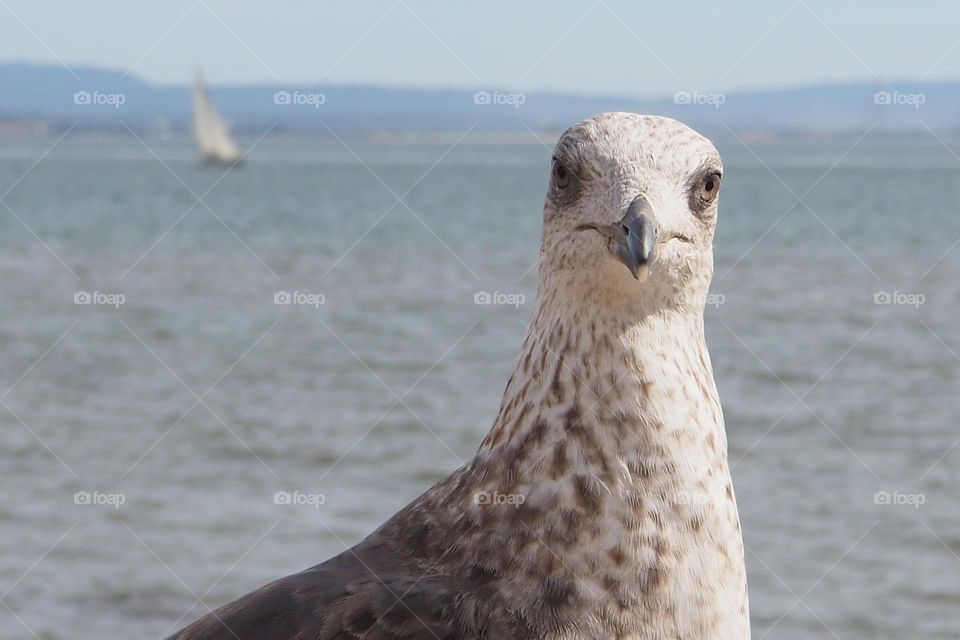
<point x="631" y="210"/>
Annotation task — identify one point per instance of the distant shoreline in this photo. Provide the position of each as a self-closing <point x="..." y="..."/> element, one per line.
<point x="44" y="99"/>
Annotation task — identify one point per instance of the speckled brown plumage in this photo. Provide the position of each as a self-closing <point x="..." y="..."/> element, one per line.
<point x="600" y="503"/>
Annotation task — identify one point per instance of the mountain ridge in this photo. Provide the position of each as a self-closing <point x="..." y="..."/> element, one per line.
<point x="104" y="99"/>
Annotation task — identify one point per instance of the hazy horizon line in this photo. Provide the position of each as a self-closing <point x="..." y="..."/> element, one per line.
<point x="546" y="91"/>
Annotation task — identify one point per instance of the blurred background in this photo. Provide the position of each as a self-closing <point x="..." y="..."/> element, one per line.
<point x="265" y="268"/>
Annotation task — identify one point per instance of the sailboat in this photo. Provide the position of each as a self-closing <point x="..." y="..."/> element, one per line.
<point x="213" y="141"/>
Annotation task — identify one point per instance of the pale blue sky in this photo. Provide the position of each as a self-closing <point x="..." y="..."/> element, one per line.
<point x="613" y="47"/>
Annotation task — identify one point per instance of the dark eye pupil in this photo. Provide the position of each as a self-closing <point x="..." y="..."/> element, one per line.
<point x="709" y="185"/>
<point x="560" y="171"/>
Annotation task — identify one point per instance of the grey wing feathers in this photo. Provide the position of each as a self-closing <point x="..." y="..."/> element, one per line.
<point x="341" y="599"/>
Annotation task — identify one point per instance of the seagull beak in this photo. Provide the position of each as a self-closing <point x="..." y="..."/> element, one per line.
<point x="636" y="238"/>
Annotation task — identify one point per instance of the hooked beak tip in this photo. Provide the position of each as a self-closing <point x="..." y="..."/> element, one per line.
<point x="636" y="249"/>
<point x="641" y="272"/>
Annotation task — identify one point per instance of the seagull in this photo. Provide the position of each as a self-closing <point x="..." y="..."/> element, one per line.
<point x="600" y="503"/>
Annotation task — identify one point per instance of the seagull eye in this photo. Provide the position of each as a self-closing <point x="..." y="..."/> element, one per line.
<point x="709" y="187"/>
<point x="561" y="176"/>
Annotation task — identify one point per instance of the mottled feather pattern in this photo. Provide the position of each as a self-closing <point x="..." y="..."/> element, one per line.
<point x="600" y="503"/>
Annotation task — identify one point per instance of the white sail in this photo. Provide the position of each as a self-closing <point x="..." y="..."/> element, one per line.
<point x="213" y="141"/>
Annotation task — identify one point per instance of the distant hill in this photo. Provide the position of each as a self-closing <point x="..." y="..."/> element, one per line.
<point x="101" y="98"/>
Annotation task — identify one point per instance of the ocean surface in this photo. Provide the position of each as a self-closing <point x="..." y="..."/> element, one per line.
<point x="154" y="399"/>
